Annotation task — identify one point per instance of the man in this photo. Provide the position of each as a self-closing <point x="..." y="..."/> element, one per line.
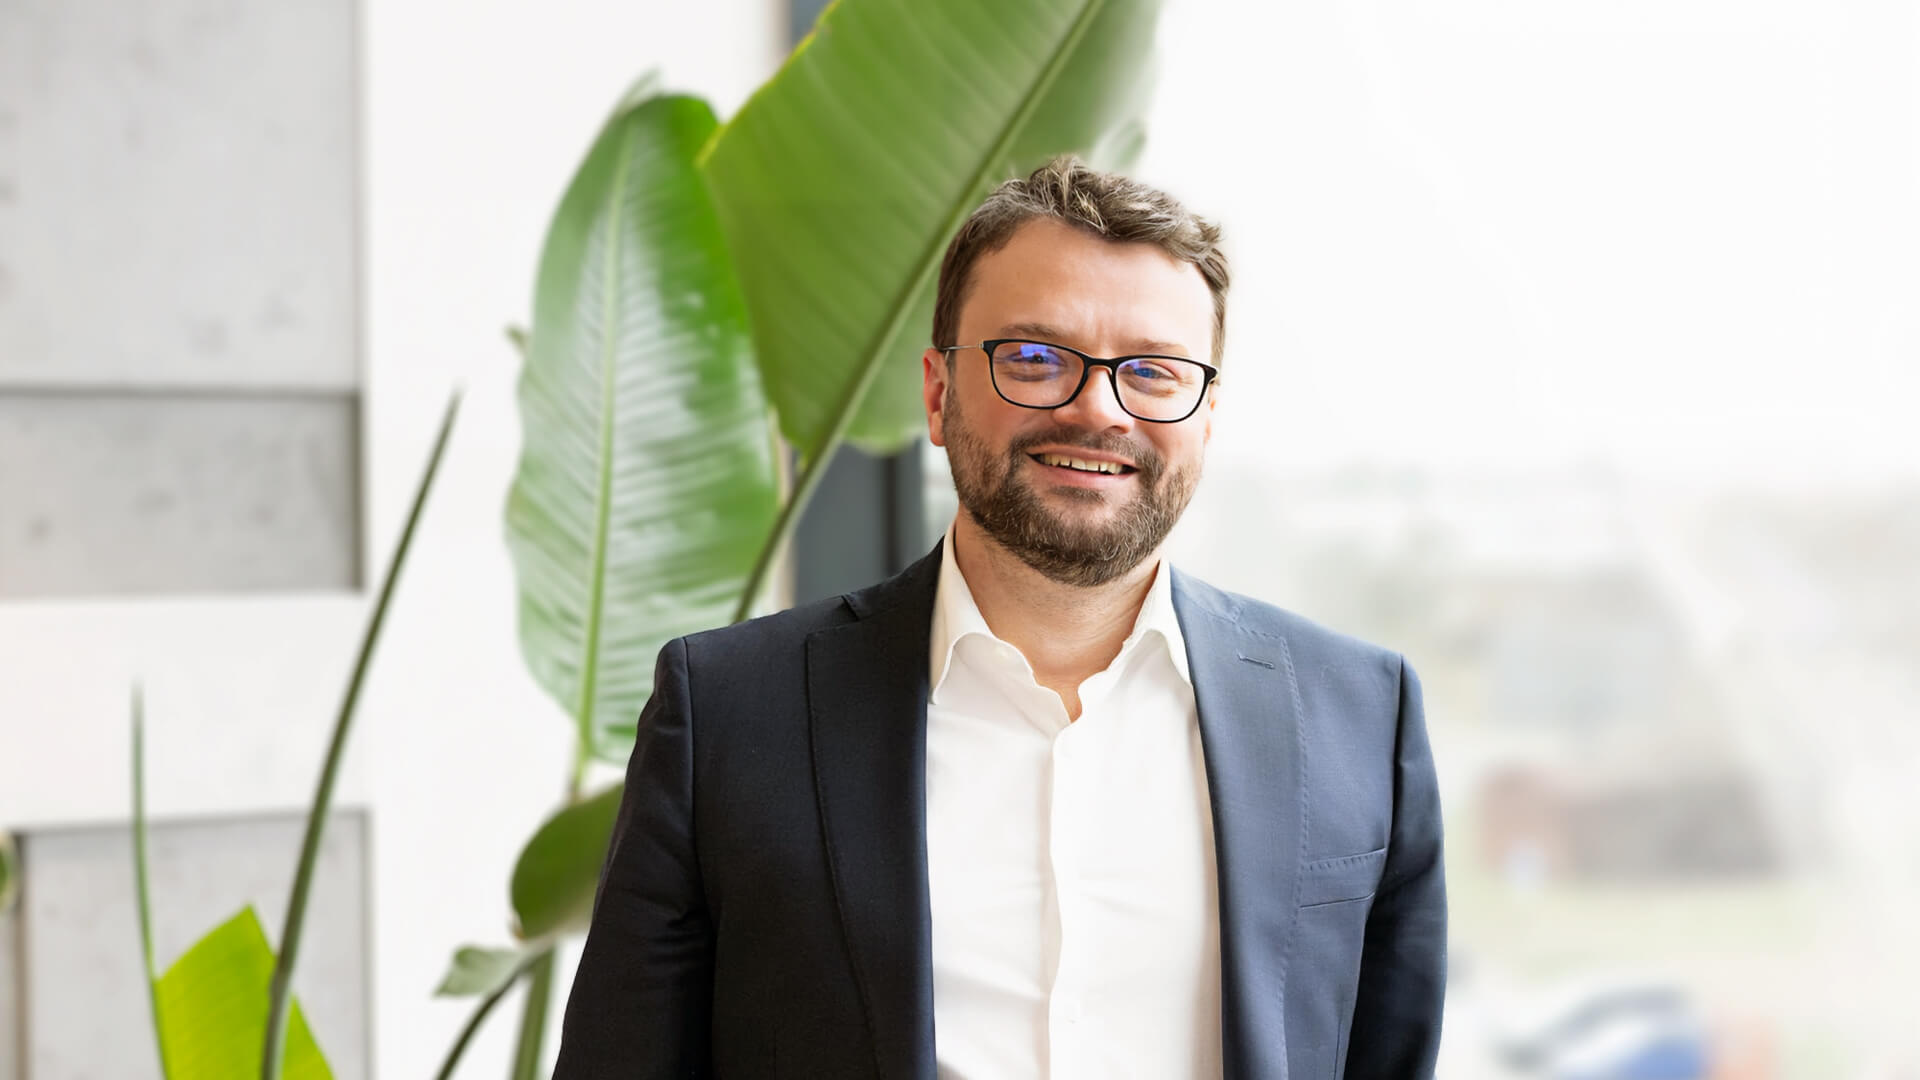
<point x="1041" y="805"/>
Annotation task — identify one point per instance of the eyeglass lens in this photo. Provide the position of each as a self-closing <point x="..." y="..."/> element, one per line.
<point x="1044" y="376"/>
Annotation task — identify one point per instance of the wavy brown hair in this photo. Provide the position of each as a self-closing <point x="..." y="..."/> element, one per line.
<point x="1105" y="204"/>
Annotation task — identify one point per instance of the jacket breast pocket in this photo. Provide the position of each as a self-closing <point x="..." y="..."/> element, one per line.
<point x="1342" y="878"/>
<point x="1324" y="973"/>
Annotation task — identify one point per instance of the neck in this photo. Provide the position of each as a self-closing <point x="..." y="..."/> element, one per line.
<point x="1067" y="632"/>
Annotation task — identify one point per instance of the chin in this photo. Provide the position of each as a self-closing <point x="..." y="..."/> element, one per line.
<point x="1086" y="512"/>
<point x="1089" y="524"/>
<point x="1078" y="496"/>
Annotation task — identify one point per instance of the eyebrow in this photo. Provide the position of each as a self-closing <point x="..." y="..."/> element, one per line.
<point x="1054" y="334"/>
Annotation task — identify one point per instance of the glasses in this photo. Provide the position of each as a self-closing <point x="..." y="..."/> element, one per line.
<point x="1039" y="375"/>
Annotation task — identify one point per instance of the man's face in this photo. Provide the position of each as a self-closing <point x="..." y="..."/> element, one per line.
<point x="1054" y="283"/>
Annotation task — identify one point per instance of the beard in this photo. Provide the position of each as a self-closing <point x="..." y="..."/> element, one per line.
<point x="995" y="491"/>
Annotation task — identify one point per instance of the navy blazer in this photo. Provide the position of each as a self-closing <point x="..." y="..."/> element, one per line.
<point x="763" y="910"/>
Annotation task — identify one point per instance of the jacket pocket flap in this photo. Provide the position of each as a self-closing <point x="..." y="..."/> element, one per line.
<point x="1343" y="877"/>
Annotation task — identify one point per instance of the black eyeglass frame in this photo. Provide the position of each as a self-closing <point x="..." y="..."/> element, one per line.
<point x="1209" y="373"/>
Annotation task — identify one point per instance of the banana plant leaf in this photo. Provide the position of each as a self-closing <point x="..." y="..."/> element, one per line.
<point x="558" y="871"/>
<point x="479" y="970"/>
<point x="212" y="1006"/>
<point x="842" y="180"/>
<point x="647" y="480"/>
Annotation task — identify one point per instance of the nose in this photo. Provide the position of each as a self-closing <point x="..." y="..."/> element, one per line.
<point x="1097" y="405"/>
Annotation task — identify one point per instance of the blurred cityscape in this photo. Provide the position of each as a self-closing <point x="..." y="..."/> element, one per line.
<point x="1676" y="744"/>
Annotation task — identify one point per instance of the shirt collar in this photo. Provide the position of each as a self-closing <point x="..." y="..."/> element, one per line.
<point x="956" y="616"/>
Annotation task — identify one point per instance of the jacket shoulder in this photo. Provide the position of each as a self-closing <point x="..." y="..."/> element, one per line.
<point x="1307" y="640"/>
<point x="770" y="635"/>
<point x="1350" y="689"/>
<point x="785" y="632"/>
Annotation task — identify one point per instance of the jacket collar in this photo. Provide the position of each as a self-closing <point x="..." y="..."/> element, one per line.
<point x="956" y="616"/>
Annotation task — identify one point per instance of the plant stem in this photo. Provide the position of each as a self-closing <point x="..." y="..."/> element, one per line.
<point x="814" y="467"/>
<point x="533" y="1018"/>
<point x="582" y="753"/>
<point x="479" y="1017"/>
<point x="810" y="473"/>
<point x="141" y="893"/>
<point x="281" y="992"/>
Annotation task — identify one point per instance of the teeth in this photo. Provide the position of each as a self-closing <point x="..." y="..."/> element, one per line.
<point x="1083" y="466"/>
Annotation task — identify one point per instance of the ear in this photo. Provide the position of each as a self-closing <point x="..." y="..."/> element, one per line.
<point x="933" y="392"/>
<point x="1213" y="400"/>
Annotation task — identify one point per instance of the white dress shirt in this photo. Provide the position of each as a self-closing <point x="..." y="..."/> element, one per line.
<point x="1076" y="928"/>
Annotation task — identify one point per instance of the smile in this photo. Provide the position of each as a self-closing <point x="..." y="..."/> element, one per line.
<point x="1063" y="461"/>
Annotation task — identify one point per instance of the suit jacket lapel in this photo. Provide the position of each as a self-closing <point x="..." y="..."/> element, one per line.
<point x="867" y="706"/>
<point x="1250" y="733"/>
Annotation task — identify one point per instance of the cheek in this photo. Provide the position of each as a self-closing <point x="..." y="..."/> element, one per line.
<point x="997" y="423"/>
<point x="1186" y="443"/>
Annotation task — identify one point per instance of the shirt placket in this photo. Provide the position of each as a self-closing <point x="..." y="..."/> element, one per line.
<point x="1073" y="821"/>
<point x="1065" y="1000"/>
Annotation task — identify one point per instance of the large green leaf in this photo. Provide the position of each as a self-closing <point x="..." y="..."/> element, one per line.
<point x="559" y="869"/>
<point x="841" y="181"/>
<point x="213" y="1009"/>
<point x="647" y="478"/>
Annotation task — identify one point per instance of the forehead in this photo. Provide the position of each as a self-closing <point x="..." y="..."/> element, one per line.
<point x="1108" y="296"/>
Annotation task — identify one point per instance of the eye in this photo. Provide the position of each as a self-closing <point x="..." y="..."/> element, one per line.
<point x="1156" y="376"/>
<point x="1032" y="361"/>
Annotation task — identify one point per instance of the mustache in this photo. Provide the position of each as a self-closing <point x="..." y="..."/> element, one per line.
<point x="1143" y="456"/>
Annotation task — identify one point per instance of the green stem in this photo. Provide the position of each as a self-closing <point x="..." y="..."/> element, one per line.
<point x="810" y="473"/>
<point x="533" y="1018"/>
<point x="479" y="1017"/>
<point x="141" y="893"/>
<point x="9" y="872"/>
<point x="582" y="753"/>
<point x="281" y="988"/>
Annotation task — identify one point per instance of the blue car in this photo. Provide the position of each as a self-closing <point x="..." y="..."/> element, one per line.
<point x="1621" y="1033"/>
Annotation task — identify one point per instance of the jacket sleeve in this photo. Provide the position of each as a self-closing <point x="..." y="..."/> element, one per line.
<point x="642" y="994"/>
<point x="1403" y="964"/>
